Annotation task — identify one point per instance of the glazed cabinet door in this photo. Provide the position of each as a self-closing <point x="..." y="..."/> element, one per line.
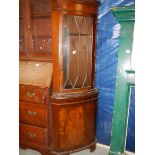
<point x="74" y="55"/>
<point x="35" y="28"/>
<point x="77" y="51"/>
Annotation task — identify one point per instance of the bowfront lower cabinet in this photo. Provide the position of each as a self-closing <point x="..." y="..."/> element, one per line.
<point x="58" y="100"/>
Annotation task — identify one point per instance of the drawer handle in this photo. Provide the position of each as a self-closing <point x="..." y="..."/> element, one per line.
<point x="30" y="94"/>
<point x="31" y="113"/>
<point x="32" y="135"/>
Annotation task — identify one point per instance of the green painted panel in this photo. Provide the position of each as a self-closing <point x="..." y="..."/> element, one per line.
<point x="125" y="76"/>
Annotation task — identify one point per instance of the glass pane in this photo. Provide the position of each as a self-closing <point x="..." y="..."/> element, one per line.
<point x="41" y="25"/>
<point x="77" y="51"/>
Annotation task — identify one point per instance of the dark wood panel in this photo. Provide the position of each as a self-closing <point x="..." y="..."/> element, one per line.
<point x="41" y="27"/>
<point x="33" y="114"/>
<point x="40" y="6"/>
<point x="81" y="6"/>
<point x="71" y="6"/>
<point x="27" y="26"/>
<point x="75" y="129"/>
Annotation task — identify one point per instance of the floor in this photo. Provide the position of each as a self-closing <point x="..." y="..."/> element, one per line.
<point x="100" y="150"/>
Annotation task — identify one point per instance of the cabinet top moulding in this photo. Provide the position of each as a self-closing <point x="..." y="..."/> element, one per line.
<point x="73" y="5"/>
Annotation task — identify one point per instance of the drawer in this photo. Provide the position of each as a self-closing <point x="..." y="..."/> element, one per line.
<point x="32" y="134"/>
<point x="33" y="114"/>
<point x="32" y="94"/>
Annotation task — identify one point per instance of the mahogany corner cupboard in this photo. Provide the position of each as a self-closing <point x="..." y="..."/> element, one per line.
<point x="58" y="101"/>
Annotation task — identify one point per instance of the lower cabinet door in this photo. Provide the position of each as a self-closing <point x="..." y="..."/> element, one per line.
<point x="77" y="125"/>
<point x="32" y="134"/>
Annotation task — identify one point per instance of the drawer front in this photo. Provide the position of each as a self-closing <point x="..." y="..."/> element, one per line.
<point x="32" y="94"/>
<point x="33" y="114"/>
<point x="32" y="134"/>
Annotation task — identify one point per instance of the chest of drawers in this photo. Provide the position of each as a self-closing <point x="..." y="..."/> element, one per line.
<point x="34" y="105"/>
<point x="34" y="117"/>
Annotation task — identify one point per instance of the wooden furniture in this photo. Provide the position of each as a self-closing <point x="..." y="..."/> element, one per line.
<point x="125" y="79"/>
<point x="34" y="113"/>
<point x="57" y="55"/>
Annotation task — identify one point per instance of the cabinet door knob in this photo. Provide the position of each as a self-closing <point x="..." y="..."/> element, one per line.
<point x="30" y="94"/>
<point x="31" y="113"/>
<point x="32" y="135"/>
